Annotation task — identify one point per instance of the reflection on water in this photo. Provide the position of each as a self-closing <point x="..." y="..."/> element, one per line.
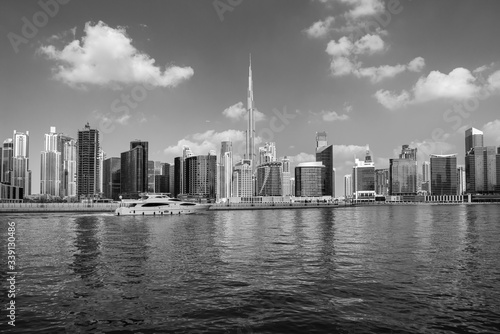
<point x="356" y="269"/>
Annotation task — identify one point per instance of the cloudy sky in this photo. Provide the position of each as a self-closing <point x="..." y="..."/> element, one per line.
<point x="368" y="72"/>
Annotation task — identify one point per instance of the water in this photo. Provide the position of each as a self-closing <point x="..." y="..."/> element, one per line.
<point x="401" y="269"/>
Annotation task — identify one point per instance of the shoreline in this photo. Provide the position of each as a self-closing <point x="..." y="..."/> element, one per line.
<point x="111" y="207"/>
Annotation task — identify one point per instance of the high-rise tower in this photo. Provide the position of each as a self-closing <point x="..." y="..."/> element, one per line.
<point x="250" y="149"/>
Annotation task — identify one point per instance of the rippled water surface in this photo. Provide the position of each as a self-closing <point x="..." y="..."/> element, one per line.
<point x="401" y="269"/>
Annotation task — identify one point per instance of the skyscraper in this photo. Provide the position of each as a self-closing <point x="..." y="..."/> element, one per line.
<point x="201" y="175"/>
<point x="481" y="167"/>
<point x="171" y="179"/>
<point x="481" y="170"/>
<point x="68" y="148"/>
<point x="144" y="167"/>
<point x="6" y="166"/>
<point x="473" y="138"/>
<point x="242" y="179"/>
<point x="225" y="175"/>
<point x="461" y="183"/>
<point x="111" y="178"/>
<point x="348" y="186"/>
<point x="269" y="179"/>
<point x="21" y="174"/>
<point x="50" y="165"/>
<point x="134" y="170"/>
<point x="178" y="176"/>
<point x="285" y="177"/>
<point x="363" y="178"/>
<point x="443" y="174"/>
<point x="267" y="153"/>
<point x="88" y="162"/>
<point x="382" y="181"/>
<point x="309" y="179"/>
<point x="250" y="144"/>
<point x="324" y="154"/>
<point x="151" y="176"/>
<point x="100" y="180"/>
<point x="403" y="173"/>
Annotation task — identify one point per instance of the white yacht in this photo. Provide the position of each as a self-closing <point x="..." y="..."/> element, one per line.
<point x="158" y="204"/>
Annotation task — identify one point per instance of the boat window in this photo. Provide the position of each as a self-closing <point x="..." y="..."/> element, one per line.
<point x="187" y="204"/>
<point x="153" y="204"/>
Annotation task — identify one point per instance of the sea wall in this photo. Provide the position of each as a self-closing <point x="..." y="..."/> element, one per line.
<point x="57" y="207"/>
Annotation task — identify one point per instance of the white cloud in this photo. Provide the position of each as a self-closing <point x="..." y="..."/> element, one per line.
<point x="347" y="153"/>
<point x="202" y="143"/>
<point x="368" y="44"/>
<point x="320" y="28"/>
<point x="345" y="53"/>
<point x="332" y="116"/>
<point x="238" y="111"/>
<point x="347" y="107"/>
<point x="426" y="148"/>
<point x="235" y="112"/>
<point x="377" y="74"/>
<point x="392" y="101"/>
<point x="416" y="65"/>
<point x="341" y="66"/>
<point x="302" y="157"/>
<point x="494" y="81"/>
<point x="492" y="133"/>
<point x="459" y="84"/>
<point x="110" y="118"/>
<point x="106" y="57"/>
<point x="363" y="8"/>
<point x="341" y="48"/>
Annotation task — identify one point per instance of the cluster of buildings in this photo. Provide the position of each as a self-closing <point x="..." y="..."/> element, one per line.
<point x="440" y="179"/>
<point x="77" y="169"/>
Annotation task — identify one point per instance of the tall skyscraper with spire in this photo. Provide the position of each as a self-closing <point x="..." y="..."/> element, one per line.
<point x="250" y="147"/>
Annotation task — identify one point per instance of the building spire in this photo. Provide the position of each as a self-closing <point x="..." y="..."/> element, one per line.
<point x="250" y="149"/>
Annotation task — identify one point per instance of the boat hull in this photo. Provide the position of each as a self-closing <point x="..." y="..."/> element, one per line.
<point x="159" y="211"/>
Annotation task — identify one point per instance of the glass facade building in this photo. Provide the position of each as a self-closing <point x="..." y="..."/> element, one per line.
<point x="309" y="179"/>
<point x="382" y="181"/>
<point x="88" y="162"/>
<point x="324" y="154"/>
<point x="21" y="173"/>
<point x="481" y="170"/>
<point x="50" y="165"/>
<point x="201" y="175"/>
<point x="443" y="174"/>
<point x="6" y="163"/>
<point x="403" y="173"/>
<point x="363" y="176"/>
<point x="111" y="178"/>
<point x="348" y="185"/>
<point x="242" y="179"/>
<point x="269" y="178"/>
<point x="473" y="138"/>
<point x="134" y="170"/>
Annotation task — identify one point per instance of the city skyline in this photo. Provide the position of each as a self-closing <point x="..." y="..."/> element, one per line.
<point x="306" y="65"/>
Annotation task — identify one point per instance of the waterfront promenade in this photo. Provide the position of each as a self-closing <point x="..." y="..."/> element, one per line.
<point x="57" y="207"/>
<point x="273" y="206"/>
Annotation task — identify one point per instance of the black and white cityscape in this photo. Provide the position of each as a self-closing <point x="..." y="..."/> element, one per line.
<point x="249" y="166"/>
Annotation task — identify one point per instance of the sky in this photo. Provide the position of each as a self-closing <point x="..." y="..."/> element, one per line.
<point x="174" y="73"/>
